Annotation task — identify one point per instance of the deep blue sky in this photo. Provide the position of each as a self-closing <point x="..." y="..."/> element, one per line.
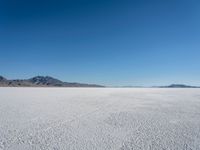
<point x="111" y="42"/>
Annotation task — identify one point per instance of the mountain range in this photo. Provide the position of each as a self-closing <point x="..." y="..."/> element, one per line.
<point x="41" y="81"/>
<point x="47" y="81"/>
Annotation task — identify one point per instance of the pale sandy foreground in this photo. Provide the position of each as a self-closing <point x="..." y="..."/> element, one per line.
<point x="99" y="119"/>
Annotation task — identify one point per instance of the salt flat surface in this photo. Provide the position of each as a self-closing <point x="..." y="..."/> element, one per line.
<point x="99" y="119"/>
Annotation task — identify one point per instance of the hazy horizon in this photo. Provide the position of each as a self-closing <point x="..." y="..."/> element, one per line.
<point x="114" y="43"/>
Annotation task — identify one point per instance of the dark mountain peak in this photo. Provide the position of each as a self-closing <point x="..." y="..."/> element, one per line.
<point x="2" y="78"/>
<point x="41" y="78"/>
<point x="45" y="80"/>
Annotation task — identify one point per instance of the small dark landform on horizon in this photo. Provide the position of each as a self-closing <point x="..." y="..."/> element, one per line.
<point x="168" y="86"/>
<point x="178" y="86"/>
<point x="41" y="81"/>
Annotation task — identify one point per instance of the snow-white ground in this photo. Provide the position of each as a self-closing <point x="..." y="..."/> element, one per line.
<point x="99" y="119"/>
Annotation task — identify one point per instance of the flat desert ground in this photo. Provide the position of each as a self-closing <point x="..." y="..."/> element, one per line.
<point x="99" y="119"/>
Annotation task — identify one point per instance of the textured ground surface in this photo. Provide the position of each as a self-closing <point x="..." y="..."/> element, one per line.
<point x="99" y="119"/>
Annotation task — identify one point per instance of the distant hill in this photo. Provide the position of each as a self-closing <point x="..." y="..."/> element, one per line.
<point x="41" y="81"/>
<point x="178" y="86"/>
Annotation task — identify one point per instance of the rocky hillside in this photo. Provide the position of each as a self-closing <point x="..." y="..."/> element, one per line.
<point x="41" y="81"/>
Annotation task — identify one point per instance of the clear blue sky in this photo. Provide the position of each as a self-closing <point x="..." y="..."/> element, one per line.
<point x="111" y="42"/>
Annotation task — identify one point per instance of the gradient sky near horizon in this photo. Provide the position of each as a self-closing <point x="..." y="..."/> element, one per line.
<point x="110" y="42"/>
